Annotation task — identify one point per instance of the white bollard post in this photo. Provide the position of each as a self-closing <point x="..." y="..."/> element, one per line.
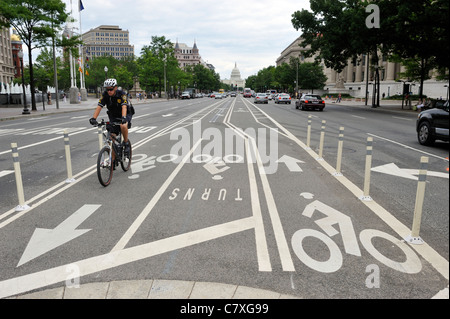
<point x="18" y="174"/>
<point x="420" y="195"/>
<point x="69" y="179"/>
<point x="322" y="136"/>
<point x="308" y="135"/>
<point x="100" y="137"/>
<point x="339" y="153"/>
<point x="366" y="196"/>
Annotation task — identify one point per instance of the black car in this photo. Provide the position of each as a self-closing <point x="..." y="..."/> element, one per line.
<point x="310" y="101"/>
<point x="433" y="125"/>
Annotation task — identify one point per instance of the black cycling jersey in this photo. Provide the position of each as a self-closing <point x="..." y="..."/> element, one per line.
<point x="114" y="103"/>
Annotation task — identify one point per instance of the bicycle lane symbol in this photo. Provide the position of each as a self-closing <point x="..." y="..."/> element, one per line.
<point x="411" y="265"/>
<point x="142" y="163"/>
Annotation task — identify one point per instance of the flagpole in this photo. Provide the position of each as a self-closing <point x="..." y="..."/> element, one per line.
<point x="82" y="78"/>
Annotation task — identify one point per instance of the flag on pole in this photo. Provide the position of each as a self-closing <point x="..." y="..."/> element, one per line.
<point x="80" y="5"/>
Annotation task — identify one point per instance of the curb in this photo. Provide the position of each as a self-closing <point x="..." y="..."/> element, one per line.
<point x="155" y="289"/>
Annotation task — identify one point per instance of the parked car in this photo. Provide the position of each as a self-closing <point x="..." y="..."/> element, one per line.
<point x="185" y="95"/>
<point x="283" y="98"/>
<point x="261" y="98"/>
<point x="432" y="125"/>
<point x="310" y="101"/>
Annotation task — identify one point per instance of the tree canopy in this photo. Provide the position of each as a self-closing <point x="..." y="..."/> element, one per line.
<point x="36" y="22"/>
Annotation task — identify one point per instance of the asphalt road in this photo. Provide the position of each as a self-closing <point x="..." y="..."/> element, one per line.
<point x="228" y="191"/>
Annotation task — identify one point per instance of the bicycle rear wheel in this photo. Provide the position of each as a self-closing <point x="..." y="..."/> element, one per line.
<point x="104" y="166"/>
<point x="126" y="163"/>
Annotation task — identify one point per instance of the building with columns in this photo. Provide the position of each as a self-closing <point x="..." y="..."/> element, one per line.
<point x="354" y="76"/>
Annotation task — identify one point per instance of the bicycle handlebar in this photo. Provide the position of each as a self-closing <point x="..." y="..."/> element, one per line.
<point x="104" y="123"/>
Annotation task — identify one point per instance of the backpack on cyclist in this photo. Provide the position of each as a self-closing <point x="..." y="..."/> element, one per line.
<point x="130" y="109"/>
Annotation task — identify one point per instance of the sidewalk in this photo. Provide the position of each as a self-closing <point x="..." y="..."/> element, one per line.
<point x="391" y="105"/>
<point x="155" y="289"/>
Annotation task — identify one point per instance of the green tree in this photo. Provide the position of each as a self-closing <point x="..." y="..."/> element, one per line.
<point x="419" y="36"/>
<point x="204" y="77"/>
<point x="311" y="76"/>
<point x="338" y="31"/>
<point x="156" y="61"/>
<point x="95" y="68"/>
<point x="36" y="22"/>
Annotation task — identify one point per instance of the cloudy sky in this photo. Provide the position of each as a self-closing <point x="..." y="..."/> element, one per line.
<point x="251" y="33"/>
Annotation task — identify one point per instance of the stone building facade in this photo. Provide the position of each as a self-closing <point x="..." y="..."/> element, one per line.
<point x="107" y="40"/>
<point x="7" y="69"/>
<point x="186" y="55"/>
<point x="353" y="78"/>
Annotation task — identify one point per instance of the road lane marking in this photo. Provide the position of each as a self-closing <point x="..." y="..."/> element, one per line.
<point x="44" y="240"/>
<point x="5" y="172"/>
<point x="60" y="187"/>
<point x="262" y="250"/>
<point x="409" y="147"/>
<point x="147" y="210"/>
<point x="280" y="238"/>
<point x="427" y="252"/>
<point x="49" y="140"/>
<point x="40" y="279"/>
<point x="402" y="118"/>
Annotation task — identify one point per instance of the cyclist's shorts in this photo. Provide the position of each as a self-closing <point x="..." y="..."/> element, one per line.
<point x="116" y="128"/>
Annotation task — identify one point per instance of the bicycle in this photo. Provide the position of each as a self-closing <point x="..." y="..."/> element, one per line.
<point x="105" y="162"/>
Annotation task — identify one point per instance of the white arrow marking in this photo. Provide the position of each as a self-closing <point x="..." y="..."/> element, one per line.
<point x="291" y="163"/>
<point x="5" y="172"/>
<point x="429" y="173"/>
<point x="44" y="240"/>
<point x="393" y="169"/>
<point x="165" y="115"/>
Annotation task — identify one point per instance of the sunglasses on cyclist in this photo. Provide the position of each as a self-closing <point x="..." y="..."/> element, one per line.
<point x="109" y="89"/>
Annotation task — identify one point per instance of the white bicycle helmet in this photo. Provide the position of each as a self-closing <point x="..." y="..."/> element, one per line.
<point x="110" y="83"/>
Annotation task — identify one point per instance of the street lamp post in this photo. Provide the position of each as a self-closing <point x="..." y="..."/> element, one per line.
<point x="446" y="86"/>
<point x="296" y="82"/>
<point x="25" y="107"/>
<point x="165" y="59"/>
<point x="106" y="72"/>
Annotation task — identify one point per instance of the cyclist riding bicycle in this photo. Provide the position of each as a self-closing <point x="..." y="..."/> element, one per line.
<point x="116" y="102"/>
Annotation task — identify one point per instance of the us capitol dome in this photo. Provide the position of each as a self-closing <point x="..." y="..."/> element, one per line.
<point x="235" y="78"/>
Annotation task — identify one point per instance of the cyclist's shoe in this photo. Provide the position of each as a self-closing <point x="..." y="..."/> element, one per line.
<point x="127" y="147"/>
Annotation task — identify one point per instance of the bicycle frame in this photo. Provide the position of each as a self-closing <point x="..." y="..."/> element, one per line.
<point x="116" y="153"/>
<point x="110" y="138"/>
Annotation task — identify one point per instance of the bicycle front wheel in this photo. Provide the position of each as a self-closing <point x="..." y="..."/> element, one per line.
<point x="105" y="166"/>
<point x="126" y="163"/>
